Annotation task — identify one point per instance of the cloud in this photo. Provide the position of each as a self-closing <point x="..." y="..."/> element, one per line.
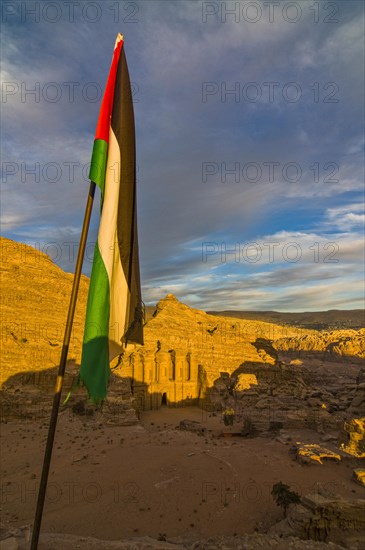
<point x="171" y="54"/>
<point x="347" y="217"/>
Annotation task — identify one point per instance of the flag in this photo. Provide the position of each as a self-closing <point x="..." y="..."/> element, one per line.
<point x="114" y="314"/>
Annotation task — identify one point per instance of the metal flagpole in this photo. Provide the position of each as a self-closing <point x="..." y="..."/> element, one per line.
<point x="61" y="372"/>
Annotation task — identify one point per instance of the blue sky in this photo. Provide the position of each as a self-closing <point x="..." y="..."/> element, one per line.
<point x="250" y="143"/>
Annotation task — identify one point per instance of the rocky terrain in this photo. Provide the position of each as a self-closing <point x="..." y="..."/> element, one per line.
<point x="336" y="343"/>
<point x="35" y="294"/>
<point x="160" y="472"/>
<point x="334" y="319"/>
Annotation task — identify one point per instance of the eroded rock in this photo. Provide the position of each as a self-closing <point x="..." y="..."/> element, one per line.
<point x="326" y="519"/>
<point x="355" y="430"/>
<point x="313" y="453"/>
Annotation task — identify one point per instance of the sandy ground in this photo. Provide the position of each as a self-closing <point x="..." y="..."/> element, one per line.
<point x="115" y="483"/>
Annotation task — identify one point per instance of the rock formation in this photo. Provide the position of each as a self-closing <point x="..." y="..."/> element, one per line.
<point x="329" y="519"/>
<point x="35" y="294"/>
<point x="187" y="350"/>
<point x="355" y="431"/>
<point x="335" y="343"/>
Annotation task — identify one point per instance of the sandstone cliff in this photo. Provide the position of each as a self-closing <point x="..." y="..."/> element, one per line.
<point x="35" y="294"/>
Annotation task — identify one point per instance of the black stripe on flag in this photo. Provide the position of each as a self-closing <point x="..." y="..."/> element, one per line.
<point x="122" y="124"/>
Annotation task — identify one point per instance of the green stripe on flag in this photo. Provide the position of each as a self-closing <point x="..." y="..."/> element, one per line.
<point x="95" y="371"/>
<point x="98" y="163"/>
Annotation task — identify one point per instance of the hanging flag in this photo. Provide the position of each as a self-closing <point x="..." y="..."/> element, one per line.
<point x="114" y="314"/>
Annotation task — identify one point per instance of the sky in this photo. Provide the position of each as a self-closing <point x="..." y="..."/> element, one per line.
<point x="250" y="143"/>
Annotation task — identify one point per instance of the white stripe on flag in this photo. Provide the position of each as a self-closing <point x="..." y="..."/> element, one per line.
<point x="109" y="249"/>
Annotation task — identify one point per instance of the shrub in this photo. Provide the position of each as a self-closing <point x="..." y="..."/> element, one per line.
<point x="283" y="496"/>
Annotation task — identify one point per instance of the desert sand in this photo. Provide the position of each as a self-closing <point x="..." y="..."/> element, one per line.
<point x="152" y="479"/>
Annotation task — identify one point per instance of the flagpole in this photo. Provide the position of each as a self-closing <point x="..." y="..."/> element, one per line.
<point x="61" y="371"/>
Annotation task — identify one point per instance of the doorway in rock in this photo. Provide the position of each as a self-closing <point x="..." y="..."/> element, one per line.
<point x="164" y="400"/>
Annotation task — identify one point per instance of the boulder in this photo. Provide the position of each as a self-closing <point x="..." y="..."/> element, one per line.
<point x="313" y="453"/>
